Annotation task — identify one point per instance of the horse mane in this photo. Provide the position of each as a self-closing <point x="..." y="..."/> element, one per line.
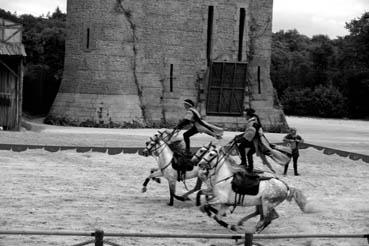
<point x="175" y="144"/>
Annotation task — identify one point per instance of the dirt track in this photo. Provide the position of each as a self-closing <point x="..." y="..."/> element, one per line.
<point x="83" y="192"/>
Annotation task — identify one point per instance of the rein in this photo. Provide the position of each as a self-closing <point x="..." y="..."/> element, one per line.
<point x="225" y="155"/>
<point x="165" y="140"/>
<point x="219" y="159"/>
<point x="157" y="146"/>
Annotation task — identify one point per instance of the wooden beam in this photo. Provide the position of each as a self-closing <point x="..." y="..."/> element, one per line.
<point x="10" y="70"/>
<point x="14" y="33"/>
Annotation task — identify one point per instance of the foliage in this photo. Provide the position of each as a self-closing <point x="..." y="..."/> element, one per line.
<point x="44" y="41"/>
<point x="322" y="77"/>
<point x="9" y="16"/>
<point x="321" y="101"/>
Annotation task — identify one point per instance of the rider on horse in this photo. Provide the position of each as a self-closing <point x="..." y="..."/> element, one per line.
<point x="193" y="119"/>
<point x="247" y="139"/>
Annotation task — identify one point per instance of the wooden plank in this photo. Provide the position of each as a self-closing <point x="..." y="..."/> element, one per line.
<point x="12" y="35"/>
<point x="227" y="83"/>
<point x="9" y="89"/>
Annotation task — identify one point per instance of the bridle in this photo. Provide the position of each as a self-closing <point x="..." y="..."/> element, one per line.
<point x="207" y="165"/>
<point x="219" y="159"/>
<point x="155" y="146"/>
<point x="199" y="156"/>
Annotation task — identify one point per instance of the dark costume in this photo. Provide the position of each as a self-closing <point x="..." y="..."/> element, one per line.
<point x="247" y="140"/>
<point x="254" y="140"/>
<point x="197" y="125"/>
<point x="293" y="142"/>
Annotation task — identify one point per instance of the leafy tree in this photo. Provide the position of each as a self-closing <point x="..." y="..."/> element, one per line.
<point x="9" y="16"/>
<point x="44" y="41"/>
<point x="358" y="40"/>
<point x="328" y="76"/>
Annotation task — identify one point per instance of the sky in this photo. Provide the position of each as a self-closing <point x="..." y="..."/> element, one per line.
<point x="309" y="17"/>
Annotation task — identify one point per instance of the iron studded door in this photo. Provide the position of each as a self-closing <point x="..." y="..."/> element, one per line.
<point x="226" y="88"/>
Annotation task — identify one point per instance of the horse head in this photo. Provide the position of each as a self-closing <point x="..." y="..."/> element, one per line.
<point x="152" y="145"/>
<point x="154" y="142"/>
<point x="201" y="152"/>
<point x="210" y="159"/>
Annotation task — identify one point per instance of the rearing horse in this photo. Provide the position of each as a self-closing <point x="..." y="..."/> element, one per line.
<point x="271" y="192"/>
<point x="158" y="146"/>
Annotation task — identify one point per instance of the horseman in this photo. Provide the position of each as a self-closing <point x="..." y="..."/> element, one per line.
<point x="193" y="119"/>
<point x="249" y="139"/>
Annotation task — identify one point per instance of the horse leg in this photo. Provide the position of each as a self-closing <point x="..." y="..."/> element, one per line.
<point x="268" y="214"/>
<point x="273" y="214"/>
<point x="196" y="188"/>
<point x="247" y="217"/>
<point x="211" y="212"/>
<point x="157" y="180"/>
<point x="172" y="190"/>
<point x="206" y="193"/>
<point x="155" y="173"/>
<point x="198" y="198"/>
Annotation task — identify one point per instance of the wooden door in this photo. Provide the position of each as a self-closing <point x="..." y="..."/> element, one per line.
<point x="226" y="88"/>
<point x="8" y="99"/>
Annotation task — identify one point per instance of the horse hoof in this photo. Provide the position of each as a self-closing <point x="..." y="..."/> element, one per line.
<point x="144" y="189"/>
<point x="240" y="223"/>
<point x="170" y="204"/>
<point x="186" y="198"/>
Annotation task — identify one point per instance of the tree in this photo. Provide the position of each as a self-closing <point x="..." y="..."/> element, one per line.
<point x="358" y="40"/>
<point x="304" y="69"/>
<point x="44" y="41"/>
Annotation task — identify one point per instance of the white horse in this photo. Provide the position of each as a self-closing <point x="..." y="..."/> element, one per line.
<point x="159" y="147"/>
<point x="220" y="169"/>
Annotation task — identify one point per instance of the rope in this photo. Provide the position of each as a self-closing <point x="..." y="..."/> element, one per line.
<point x="134" y="150"/>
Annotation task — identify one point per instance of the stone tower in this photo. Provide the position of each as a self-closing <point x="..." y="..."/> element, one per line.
<point x="135" y="61"/>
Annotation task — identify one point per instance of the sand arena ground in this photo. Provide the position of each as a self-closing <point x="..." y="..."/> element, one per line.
<point x="72" y="191"/>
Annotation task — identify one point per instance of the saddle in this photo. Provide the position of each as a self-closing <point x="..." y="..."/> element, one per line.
<point x="182" y="163"/>
<point x="244" y="183"/>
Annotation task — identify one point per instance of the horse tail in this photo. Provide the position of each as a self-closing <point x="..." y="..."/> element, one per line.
<point x="299" y="198"/>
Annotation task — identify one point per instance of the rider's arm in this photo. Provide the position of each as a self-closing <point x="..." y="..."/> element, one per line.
<point x="182" y="124"/>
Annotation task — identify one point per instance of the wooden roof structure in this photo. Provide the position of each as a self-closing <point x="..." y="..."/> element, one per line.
<point x="12" y="53"/>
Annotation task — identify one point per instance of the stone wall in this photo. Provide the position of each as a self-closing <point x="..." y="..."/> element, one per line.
<point x="119" y="55"/>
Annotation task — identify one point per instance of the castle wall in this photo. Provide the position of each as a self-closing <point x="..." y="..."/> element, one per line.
<point x="119" y="55"/>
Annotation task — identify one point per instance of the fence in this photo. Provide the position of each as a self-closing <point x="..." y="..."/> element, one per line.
<point x="133" y="150"/>
<point x="248" y="238"/>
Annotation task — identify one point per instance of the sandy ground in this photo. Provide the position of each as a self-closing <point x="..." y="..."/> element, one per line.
<point x="71" y="191"/>
<point x="82" y="192"/>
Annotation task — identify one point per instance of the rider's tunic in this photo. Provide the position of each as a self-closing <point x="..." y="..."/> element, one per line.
<point x="193" y="116"/>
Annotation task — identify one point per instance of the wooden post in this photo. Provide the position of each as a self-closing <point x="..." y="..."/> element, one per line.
<point x="99" y="238"/>
<point x="248" y="239"/>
